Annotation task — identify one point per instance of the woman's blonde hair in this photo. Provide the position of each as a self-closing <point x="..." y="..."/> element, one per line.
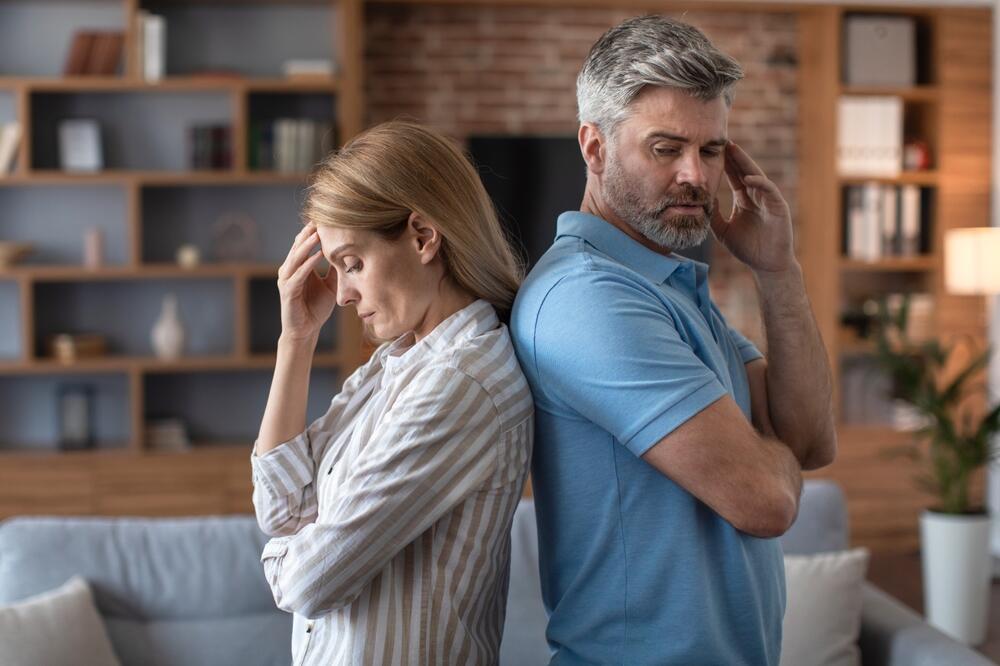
<point x="378" y="178"/>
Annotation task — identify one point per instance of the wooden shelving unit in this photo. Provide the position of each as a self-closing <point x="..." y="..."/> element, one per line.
<point x="122" y="475"/>
<point x="950" y="104"/>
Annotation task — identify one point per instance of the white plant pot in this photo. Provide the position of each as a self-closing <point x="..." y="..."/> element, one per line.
<point x="956" y="565"/>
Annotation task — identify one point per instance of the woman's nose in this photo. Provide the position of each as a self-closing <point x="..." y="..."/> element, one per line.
<point x="346" y="295"/>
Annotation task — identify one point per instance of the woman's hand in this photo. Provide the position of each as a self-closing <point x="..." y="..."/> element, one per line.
<point x="307" y="300"/>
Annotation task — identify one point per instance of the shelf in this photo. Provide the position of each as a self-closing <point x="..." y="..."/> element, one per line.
<point x="146" y="271"/>
<point x="153" y="178"/>
<point x="152" y="365"/>
<point x="927" y="178"/>
<point x="120" y="450"/>
<point x="97" y="84"/>
<point x="908" y="93"/>
<point x="923" y="264"/>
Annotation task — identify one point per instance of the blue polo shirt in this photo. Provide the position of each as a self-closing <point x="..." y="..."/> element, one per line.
<point x="622" y="345"/>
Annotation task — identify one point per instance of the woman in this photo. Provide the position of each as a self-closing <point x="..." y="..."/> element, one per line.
<point x="392" y="512"/>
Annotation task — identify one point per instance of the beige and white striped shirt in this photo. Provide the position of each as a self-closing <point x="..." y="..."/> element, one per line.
<point x="392" y="512"/>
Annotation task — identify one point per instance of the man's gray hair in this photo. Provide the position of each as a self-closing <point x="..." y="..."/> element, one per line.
<point x="650" y="51"/>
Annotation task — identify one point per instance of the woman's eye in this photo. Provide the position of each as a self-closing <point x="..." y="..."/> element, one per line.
<point x="353" y="268"/>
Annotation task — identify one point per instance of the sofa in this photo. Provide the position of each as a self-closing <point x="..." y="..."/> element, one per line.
<point x="191" y="591"/>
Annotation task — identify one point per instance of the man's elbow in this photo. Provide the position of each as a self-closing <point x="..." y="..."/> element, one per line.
<point x="770" y="519"/>
<point x="822" y="454"/>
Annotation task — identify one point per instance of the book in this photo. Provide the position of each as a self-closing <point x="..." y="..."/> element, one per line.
<point x="79" y="53"/>
<point x="10" y="139"/>
<point x="105" y="57"/>
<point x="154" y="40"/>
<point x="910" y="218"/>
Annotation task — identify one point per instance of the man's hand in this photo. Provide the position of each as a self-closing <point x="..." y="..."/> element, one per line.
<point x="759" y="232"/>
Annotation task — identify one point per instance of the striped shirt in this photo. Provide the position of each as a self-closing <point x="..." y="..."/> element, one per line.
<point x="391" y="513"/>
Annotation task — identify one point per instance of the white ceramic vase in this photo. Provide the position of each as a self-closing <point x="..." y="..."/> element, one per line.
<point x="957" y="570"/>
<point x="168" y="332"/>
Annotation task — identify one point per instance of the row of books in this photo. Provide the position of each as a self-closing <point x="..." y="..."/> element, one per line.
<point x="94" y="53"/>
<point x="870" y="136"/>
<point x="885" y="221"/>
<point x="289" y="145"/>
<point x="210" y="146"/>
<point x="150" y="48"/>
<point x="10" y="139"/>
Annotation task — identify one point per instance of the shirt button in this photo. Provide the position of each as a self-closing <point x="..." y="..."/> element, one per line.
<point x="309" y="628"/>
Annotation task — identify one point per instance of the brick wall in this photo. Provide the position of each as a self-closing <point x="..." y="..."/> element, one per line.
<point x="512" y="70"/>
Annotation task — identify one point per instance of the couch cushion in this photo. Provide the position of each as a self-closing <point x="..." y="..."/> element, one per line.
<point x="141" y="568"/>
<point x="255" y="640"/>
<point x="59" y="627"/>
<point x="823" y="612"/>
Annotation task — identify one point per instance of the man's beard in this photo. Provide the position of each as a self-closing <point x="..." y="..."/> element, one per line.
<point x="676" y="232"/>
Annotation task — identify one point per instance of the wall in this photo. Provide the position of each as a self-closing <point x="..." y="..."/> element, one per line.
<point x="512" y="70"/>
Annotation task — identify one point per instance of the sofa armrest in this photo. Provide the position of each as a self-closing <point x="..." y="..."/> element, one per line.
<point x="893" y="635"/>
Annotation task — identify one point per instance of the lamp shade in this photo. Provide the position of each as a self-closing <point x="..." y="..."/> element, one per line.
<point x="972" y="260"/>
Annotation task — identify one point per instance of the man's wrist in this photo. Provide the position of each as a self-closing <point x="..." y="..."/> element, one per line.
<point x="783" y="279"/>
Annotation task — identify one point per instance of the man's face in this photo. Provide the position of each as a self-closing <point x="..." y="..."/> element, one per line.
<point x="663" y="166"/>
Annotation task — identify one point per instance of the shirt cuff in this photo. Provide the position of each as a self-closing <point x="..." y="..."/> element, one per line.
<point x="674" y="416"/>
<point x="285" y="469"/>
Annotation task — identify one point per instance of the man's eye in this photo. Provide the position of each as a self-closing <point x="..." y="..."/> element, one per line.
<point x="665" y="151"/>
<point x="711" y="152"/>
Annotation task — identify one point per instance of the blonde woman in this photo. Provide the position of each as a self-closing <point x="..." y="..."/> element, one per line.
<point x="391" y="513"/>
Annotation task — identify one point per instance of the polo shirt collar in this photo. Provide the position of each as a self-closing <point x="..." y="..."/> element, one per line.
<point x="615" y="243"/>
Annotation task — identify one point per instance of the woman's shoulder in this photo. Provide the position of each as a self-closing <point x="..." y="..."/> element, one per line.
<point x="488" y="360"/>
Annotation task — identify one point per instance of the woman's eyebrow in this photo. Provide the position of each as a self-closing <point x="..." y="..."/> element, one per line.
<point x="338" y="250"/>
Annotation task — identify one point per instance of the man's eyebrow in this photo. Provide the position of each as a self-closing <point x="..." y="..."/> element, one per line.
<point x="684" y="139"/>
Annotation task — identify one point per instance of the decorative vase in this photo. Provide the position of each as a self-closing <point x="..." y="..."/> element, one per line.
<point x="168" y="333"/>
<point x="957" y="567"/>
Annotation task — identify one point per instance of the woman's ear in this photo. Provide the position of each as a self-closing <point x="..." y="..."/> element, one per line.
<point x="425" y="237"/>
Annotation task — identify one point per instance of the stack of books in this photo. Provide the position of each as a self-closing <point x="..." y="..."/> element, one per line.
<point x="94" y="53"/>
<point x="210" y="147"/>
<point x="870" y="136"/>
<point x="885" y="221"/>
<point x="289" y="145"/>
<point x="150" y="48"/>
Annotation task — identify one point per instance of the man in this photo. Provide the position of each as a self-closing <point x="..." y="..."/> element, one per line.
<point x="668" y="450"/>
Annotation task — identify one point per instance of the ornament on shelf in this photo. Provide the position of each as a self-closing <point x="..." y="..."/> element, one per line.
<point x="93" y="248"/>
<point x="188" y="256"/>
<point x="234" y="237"/>
<point x="168" y="332"/>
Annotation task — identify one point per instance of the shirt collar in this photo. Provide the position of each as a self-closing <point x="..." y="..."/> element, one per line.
<point x="615" y="243"/>
<point x="474" y="319"/>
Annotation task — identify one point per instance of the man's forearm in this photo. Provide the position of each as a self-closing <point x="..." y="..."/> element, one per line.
<point x="799" y="386"/>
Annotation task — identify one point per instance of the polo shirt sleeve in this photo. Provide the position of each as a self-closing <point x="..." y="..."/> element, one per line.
<point x="747" y="350"/>
<point x="606" y="348"/>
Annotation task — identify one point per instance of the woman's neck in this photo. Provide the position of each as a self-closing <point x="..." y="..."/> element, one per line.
<point x="450" y="300"/>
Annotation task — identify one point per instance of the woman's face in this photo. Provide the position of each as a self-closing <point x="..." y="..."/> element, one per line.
<point x="391" y="283"/>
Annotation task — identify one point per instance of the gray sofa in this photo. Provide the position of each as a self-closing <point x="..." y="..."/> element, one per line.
<point x="190" y="591"/>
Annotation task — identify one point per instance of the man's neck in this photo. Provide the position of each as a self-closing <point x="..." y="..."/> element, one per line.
<point x="593" y="204"/>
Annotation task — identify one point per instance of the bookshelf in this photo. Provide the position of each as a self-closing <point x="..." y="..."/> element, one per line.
<point x="147" y="201"/>
<point x="945" y="107"/>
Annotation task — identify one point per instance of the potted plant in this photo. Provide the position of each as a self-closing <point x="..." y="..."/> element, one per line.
<point x="953" y="443"/>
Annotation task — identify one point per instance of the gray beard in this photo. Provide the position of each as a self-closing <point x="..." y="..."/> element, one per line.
<point x="678" y="232"/>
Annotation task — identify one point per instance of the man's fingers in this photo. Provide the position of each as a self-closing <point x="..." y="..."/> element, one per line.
<point x="743" y="162"/>
<point x="719" y="224"/>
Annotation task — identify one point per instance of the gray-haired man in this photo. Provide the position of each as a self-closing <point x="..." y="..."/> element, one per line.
<point x="668" y="451"/>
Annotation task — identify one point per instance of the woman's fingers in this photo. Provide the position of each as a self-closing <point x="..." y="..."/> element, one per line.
<point x="298" y="253"/>
<point x="297" y="280"/>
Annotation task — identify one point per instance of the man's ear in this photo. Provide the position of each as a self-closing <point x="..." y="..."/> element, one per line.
<point x="592" y="147"/>
<point x="425" y="237"/>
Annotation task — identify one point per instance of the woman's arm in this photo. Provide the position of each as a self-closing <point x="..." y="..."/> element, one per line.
<point x="433" y="448"/>
<point x="285" y="413"/>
